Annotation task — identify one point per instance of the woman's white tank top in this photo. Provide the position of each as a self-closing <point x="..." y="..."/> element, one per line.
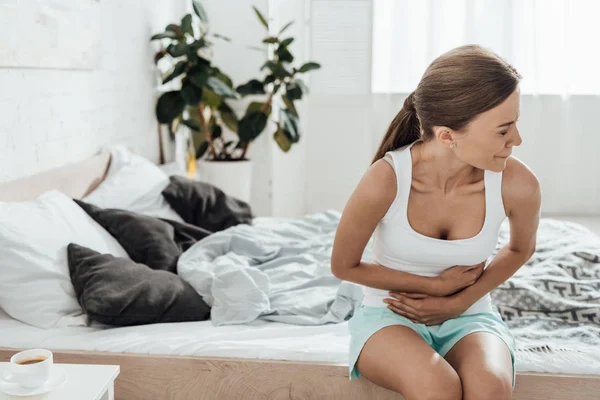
<point x="396" y="245"/>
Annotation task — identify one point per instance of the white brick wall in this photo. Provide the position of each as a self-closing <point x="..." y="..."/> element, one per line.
<point x="51" y="117"/>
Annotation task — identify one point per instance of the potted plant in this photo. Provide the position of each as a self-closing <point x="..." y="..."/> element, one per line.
<point x="221" y="140"/>
<point x="280" y="87"/>
<point x="194" y="90"/>
<point x="281" y="83"/>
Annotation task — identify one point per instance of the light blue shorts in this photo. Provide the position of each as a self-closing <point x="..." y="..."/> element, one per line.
<point x="368" y="320"/>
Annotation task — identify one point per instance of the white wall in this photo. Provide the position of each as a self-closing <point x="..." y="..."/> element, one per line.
<point x="50" y="117"/>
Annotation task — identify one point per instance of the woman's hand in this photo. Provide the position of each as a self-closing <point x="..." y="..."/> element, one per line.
<point x="424" y="309"/>
<point x="456" y="278"/>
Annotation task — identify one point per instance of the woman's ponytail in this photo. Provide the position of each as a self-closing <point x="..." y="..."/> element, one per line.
<point x="404" y="129"/>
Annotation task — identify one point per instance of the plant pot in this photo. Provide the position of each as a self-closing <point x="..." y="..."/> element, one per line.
<point x="232" y="177"/>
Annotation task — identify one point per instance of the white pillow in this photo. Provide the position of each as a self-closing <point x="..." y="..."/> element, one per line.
<point x="134" y="184"/>
<point x="35" y="285"/>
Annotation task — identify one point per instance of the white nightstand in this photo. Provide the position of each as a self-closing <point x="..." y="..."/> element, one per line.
<point x="84" y="382"/>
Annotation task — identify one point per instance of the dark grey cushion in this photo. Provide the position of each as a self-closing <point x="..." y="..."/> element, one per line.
<point x="119" y="291"/>
<point x="151" y="241"/>
<point x="204" y="205"/>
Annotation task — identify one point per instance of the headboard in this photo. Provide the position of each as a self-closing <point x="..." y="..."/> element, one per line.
<point x="75" y="180"/>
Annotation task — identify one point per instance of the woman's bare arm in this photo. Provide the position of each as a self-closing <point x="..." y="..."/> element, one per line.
<point x="365" y="208"/>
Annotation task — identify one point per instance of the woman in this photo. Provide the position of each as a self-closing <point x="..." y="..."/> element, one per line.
<point x="441" y="184"/>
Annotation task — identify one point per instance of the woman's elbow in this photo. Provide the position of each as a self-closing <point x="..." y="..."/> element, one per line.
<point x="340" y="269"/>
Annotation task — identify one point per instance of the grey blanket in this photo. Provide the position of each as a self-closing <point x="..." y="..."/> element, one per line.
<point x="552" y="304"/>
<point x="277" y="269"/>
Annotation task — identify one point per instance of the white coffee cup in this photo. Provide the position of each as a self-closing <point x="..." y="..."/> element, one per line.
<point x="29" y="368"/>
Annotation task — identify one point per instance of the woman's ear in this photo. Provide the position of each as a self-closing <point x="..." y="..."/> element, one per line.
<point x="445" y="136"/>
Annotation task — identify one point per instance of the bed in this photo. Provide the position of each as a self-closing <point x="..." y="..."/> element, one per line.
<point x="196" y="360"/>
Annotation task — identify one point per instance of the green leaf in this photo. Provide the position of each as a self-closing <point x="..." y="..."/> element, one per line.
<point x="199" y="10"/>
<point x="253" y="86"/>
<point x="190" y="93"/>
<point x="221" y="37"/>
<point x="293" y="91"/>
<point x="228" y="116"/>
<point x="286" y="42"/>
<point x="199" y="44"/>
<point x="252" y="125"/>
<point x="223" y="77"/>
<point x="216" y="132"/>
<point x="219" y="87"/>
<point x="271" y="40"/>
<point x="199" y="74"/>
<point x="193" y="113"/>
<point x="284" y="54"/>
<point x="202" y="149"/>
<point x="302" y="85"/>
<point x="177" y="70"/>
<point x="309" y="66"/>
<point x="256" y="48"/>
<point x="285" y="27"/>
<point x="277" y="69"/>
<point x="262" y="19"/>
<point x="164" y="35"/>
<point x="290" y="105"/>
<point x="282" y="140"/>
<point x="174" y="28"/>
<point x="210" y="98"/>
<point x="193" y="125"/>
<point x="269" y="79"/>
<point x="186" y="24"/>
<point x="177" y="49"/>
<point x="258" y="106"/>
<point x="228" y="143"/>
<point x="290" y="125"/>
<point x="169" y="106"/>
<point x="159" y="55"/>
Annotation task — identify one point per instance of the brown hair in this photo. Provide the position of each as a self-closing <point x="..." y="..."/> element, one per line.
<point x="455" y="88"/>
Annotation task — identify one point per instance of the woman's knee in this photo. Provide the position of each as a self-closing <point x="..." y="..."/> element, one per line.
<point x="438" y="385"/>
<point x="488" y="385"/>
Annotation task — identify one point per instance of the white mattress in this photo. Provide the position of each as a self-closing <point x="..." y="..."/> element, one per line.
<point x="258" y="340"/>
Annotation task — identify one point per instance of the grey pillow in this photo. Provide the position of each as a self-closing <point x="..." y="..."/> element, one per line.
<point x="146" y="239"/>
<point x="204" y="205"/>
<point x="119" y="291"/>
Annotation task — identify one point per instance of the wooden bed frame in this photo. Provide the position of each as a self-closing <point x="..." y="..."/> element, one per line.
<point x="145" y="377"/>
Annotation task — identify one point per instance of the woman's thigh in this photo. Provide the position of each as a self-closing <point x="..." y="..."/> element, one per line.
<point x="397" y="358"/>
<point x="485" y="367"/>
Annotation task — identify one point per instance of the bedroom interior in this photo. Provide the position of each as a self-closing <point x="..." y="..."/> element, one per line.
<point x="154" y="264"/>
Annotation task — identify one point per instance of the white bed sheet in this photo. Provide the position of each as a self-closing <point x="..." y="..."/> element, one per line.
<point x="257" y="340"/>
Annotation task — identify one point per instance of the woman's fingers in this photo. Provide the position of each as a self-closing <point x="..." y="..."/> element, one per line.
<point x="404" y="313"/>
<point x="402" y="304"/>
<point x="411" y="304"/>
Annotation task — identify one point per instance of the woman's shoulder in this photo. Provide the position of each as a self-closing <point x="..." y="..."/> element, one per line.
<point x="376" y="190"/>
<point x="520" y="185"/>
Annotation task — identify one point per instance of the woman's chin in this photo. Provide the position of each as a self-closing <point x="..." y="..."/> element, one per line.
<point x="499" y="164"/>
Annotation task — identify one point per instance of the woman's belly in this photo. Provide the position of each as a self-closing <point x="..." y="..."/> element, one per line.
<point x="374" y="298"/>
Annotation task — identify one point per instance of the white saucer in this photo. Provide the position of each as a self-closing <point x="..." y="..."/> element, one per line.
<point x="58" y="376"/>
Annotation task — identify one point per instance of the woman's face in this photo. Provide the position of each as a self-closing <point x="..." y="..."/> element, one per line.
<point x="488" y="140"/>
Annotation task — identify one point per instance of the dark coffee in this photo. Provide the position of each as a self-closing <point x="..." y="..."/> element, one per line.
<point x="33" y="360"/>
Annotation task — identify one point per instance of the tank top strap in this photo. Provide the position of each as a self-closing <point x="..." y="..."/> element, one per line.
<point x="400" y="161"/>
<point x="494" y="186"/>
